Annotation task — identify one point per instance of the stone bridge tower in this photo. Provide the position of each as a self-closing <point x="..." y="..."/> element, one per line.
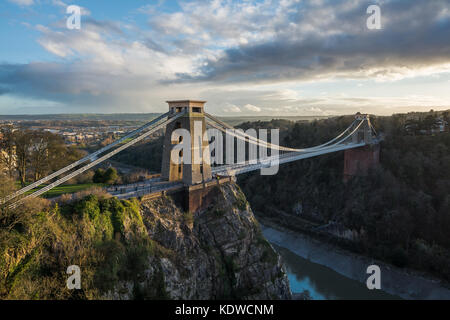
<point x="358" y="161"/>
<point x="364" y="133"/>
<point x="194" y="172"/>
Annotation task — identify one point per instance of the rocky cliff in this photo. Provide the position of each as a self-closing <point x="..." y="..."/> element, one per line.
<point x="133" y="249"/>
<point x="217" y="253"/>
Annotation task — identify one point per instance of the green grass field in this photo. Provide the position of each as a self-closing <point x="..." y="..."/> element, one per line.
<point x="60" y="190"/>
<point x="126" y="140"/>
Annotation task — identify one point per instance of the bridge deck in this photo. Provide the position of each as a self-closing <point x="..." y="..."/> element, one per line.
<point x="155" y="187"/>
<point x="240" y="168"/>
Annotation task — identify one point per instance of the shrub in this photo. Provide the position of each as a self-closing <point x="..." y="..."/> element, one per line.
<point x="241" y="201"/>
<point x="88" y="206"/>
<point x="99" y="176"/>
<point x="109" y="176"/>
<point x="188" y="218"/>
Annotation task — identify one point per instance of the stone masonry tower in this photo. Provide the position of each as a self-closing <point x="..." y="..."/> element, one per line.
<point x="193" y="172"/>
<point x="358" y="161"/>
<point x="364" y="133"/>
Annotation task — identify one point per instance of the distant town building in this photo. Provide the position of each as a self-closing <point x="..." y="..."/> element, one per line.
<point x="427" y="126"/>
<point x="441" y="125"/>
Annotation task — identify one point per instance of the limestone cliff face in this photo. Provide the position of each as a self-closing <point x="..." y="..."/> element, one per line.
<point x="217" y="253"/>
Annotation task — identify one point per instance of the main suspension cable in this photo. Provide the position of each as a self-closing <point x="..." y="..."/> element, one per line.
<point x="83" y="160"/>
<point x="99" y="160"/>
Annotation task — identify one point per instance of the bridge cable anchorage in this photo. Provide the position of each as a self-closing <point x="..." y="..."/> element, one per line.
<point x="99" y="160"/>
<point x="241" y="135"/>
<point x="83" y="160"/>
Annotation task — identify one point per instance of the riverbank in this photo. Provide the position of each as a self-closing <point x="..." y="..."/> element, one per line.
<point x="395" y="281"/>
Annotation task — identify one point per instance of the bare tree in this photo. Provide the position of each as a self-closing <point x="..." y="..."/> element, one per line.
<point x="39" y="150"/>
<point x="7" y="151"/>
<point x="34" y="152"/>
<point x="47" y="153"/>
<point x="22" y="141"/>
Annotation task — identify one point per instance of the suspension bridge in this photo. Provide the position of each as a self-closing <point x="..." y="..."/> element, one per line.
<point x="196" y="178"/>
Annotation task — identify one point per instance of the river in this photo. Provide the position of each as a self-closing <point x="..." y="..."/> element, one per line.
<point x="329" y="273"/>
<point x="322" y="282"/>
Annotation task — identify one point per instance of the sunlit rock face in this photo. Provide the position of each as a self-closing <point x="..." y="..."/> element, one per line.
<point x="216" y="253"/>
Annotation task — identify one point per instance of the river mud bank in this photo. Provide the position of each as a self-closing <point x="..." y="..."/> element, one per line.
<point x="395" y="281"/>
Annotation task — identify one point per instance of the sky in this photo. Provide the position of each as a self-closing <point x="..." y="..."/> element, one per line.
<point x="246" y="58"/>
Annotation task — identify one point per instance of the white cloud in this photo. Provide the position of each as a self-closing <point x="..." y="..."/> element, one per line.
<point x="118" y="64"/>
<point x="23" y="2"/>
<point x="231" y="108"/>
<point x="220" y="24"/>
<point x="61" y="4"/>
<point x="251" y="107"/>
